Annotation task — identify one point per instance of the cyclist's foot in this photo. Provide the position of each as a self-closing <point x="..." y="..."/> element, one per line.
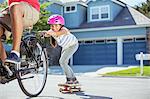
<point x="1" y="63"/>
<point x="12" y="58"/>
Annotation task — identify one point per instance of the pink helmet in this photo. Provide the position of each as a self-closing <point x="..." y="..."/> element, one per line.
<point x="56" y="19"/>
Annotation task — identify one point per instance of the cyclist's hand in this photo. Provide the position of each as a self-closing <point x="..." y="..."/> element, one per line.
<point x="3" y="12"/>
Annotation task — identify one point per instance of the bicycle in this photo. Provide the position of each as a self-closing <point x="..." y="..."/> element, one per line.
<point x="31" y="72"/>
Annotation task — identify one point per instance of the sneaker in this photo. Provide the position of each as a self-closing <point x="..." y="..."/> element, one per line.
<point x="75" y="81"/>
<point x="69" y="81"/>
<point x="72" y="81"/>
<point x="12" y="58"/>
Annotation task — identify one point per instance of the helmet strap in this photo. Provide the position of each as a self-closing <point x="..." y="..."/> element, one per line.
<point x="61" y="27"/>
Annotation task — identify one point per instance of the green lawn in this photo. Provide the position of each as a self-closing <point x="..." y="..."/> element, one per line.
<point x="130" y="72"/>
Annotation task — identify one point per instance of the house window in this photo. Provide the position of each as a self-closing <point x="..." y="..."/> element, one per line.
<point x="100" y="41"/>
<point x="128" y="40"/>
<point x="69" y="9"/>
<point x="111" y="41"/>
<point x="104" y="12"/>
<point x="100" y="13"/>
<point x="95" y="13"/>
<point x="139" y="39"/>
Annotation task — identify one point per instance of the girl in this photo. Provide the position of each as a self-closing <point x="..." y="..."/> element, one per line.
<point x="67" y="41"/>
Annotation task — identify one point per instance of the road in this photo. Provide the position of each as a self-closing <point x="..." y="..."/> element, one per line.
<point x="92" y="88"/>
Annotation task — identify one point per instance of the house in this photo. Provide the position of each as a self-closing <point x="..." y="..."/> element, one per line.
<point x="110" y="32"/>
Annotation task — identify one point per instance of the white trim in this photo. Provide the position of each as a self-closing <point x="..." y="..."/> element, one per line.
<point x="99" y="13"/>
<point x="62" y="11"/>
<point x="114" y="37"/>
<point x="119" y="51"/>
<point x="109" y="28"/>
<point x="65" y="11"/>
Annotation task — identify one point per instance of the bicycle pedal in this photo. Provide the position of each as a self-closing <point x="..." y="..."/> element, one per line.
<point x="11" y="63"/>
<point x="11" y="67"/>
<point x="6" y="79"/>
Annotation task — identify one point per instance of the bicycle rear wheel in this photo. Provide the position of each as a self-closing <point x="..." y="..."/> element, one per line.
<point x="32" y="73"/>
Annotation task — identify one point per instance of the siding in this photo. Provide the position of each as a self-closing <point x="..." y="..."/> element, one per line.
<point x="55" y="9"/>
<point x="110" y="33"/>
<point x="74" y="19"/>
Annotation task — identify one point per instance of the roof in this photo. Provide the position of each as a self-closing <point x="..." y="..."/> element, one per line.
<point x="116" y="1"/>
<point x="69" y="2"/>
<point x="56" y="2"/>
<point x="138" y="17"/>
<point x="128" y="16"/>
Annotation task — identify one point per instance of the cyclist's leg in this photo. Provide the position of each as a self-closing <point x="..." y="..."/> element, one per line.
<point x="2" y="50"/>
<point x="16" y="13"/>
<point x="19" y="20"/>
<point x="5" y="20"/>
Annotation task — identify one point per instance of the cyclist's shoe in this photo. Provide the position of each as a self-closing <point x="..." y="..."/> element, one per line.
<point x="13" y="57"/>
<point x="75" y="81"/>
<point x="1" y="63"/>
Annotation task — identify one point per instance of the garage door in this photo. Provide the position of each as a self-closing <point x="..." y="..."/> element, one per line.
<point x="131" y="47"/>
<point x="100" y="52"/>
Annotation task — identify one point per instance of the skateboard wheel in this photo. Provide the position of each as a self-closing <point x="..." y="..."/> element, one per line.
<point x="79" y="89"/>
<point x="60" y="90"/>
<point x="71" y="91"/>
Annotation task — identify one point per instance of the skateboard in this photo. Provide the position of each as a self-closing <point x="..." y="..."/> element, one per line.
<point x="69" y="88"/>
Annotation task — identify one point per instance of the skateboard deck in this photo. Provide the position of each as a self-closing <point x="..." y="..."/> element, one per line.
<point x="69" y="88"/>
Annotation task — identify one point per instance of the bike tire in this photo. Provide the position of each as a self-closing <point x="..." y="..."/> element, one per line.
<point x="24" y="84"/>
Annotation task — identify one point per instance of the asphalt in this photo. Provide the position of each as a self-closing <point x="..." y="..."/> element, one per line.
<point x="93" y="87"/>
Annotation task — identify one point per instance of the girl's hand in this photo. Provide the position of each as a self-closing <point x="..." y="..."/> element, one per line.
<point x="51" y="33"/>
<point x="43" y="34"/>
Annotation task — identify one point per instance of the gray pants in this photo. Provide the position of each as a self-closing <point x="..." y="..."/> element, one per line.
<point x="66" y="54"/>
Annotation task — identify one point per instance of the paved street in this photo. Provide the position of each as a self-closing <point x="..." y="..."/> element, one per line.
<point x="92" y="88"/>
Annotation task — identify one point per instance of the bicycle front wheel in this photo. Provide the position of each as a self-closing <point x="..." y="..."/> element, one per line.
<point x="32" y="73"/>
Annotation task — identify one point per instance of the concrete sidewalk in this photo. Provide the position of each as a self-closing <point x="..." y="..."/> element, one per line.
<point x="104" y="70"/>
<point x="92" y="88"/>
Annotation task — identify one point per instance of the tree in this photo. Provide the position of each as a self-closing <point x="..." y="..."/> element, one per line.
<point x="44" y="14"/>
<point x="3" y="5"/>
<point x="144" y="8"/>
